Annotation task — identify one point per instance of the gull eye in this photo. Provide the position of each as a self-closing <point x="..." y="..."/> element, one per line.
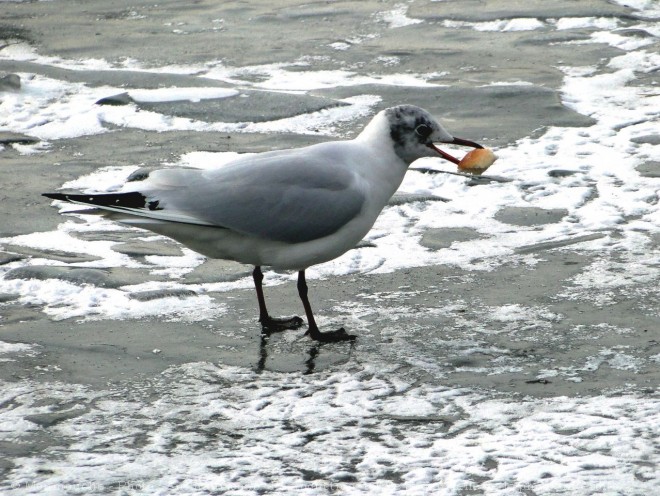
<point x="423" y="130"/>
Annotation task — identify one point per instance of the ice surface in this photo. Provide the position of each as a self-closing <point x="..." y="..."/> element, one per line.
<point x="604" y="190"/>
<point x="10" y="351"/>
<point x="521" y="24"/>
<point x="397" y="17"/>
<point x="400" y="437"/>
<point x="603" y="154"/>
<point x="379" y="423"/>
<point x="646" y="8"/>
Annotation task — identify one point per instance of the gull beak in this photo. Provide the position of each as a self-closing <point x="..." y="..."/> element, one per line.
<point x="454" y="141"/>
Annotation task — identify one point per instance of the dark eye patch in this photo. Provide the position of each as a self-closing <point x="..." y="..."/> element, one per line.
<point x="423" y="130"/>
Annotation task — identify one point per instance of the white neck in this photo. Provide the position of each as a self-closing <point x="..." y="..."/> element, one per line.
<point x="377" y="130"/>
<point x="389" y="169"/>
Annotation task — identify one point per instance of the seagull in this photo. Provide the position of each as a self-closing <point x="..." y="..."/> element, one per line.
<point x="286" y="209"/>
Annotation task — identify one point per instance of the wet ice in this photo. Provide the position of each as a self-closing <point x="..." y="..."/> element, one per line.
<point x="378" y="416"/>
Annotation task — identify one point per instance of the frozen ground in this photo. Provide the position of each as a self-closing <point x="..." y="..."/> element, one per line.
<point x="508" y="336"/>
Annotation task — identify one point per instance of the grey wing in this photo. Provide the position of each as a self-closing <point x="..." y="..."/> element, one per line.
<point x="284" y="198"/>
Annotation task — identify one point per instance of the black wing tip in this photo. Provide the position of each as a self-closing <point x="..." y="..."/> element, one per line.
<point x="56" y="196"/>
<point x="133" y="200"/>
<point x="69" y="197"/>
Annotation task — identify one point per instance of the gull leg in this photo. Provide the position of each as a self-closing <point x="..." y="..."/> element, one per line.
<point x="313" y="330"/>
<point x="268" y="323"/>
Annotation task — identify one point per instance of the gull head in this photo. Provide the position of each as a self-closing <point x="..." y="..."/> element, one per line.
<point x="413" y="133"/>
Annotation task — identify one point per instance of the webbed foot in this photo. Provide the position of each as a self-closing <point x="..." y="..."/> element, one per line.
<point x="330" y="336"/>
<point x="270" y="324"/>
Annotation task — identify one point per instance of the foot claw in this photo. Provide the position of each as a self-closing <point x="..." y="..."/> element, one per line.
<point x="271" y="324"/>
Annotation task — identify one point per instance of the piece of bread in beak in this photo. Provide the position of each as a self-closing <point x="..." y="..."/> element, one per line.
<point x="477" y="161"/>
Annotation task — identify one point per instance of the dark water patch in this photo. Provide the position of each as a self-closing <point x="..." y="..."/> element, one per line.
<point x="530" y="216"/>
<point x="213" y="270"/>
<point x="59" y="255"/>
<point x="649" y="169"/>
<point x="549" y="245"/>
<point x="50" y="419"/>
<point x="437" y="239"/>
<point x="250" y="106"/>
<point x="114" y="277"/>
<point x="649" y="139"/>
<point x="558" y="173"/>
<point x="122" y="79"/>
<point x="158" y="294"/>
<point x="11" y="33"/>
<point x="80" y="276"/>
<point x="10" y="82"/>
<point x="145" y="248"/>
<point x="9" y="138"/>
<point x="6" y="258"/>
